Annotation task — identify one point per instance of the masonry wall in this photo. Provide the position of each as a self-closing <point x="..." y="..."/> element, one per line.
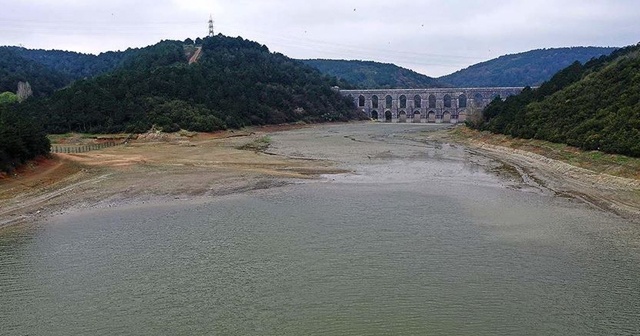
<point x="450" y="105"/>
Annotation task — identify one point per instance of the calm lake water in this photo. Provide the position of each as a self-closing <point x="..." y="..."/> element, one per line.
<point x="420" y="240"/>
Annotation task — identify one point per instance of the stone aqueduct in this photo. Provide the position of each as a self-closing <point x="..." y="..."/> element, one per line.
<point x="441" y="105"/>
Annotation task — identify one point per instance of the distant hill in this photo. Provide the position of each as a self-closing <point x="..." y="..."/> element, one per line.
<point x="14" y="69"/>
<point x="591" y="106"/>
<point x="235" y="83"/>
<point x="529" y="68"/>
<point x="50" y="70"/>
<point x="73" y="64"/>
<point x="373" y="75"/>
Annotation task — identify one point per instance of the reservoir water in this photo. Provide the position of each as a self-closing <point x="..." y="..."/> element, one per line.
<point x="421" y="239"/>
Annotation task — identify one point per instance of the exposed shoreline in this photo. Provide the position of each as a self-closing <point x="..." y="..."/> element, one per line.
<point x="170" y="169"/>
<point x="619" y="195"/>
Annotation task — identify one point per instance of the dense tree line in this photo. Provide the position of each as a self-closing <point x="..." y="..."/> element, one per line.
<point x="373" y="75"/>
<point x="595" y="106"/>
<point x="15" y="69"/>
<point x="235" y="83"/>
<point x="50" y="70"/>
<point x="530" y="68"/>
<point x="21" y="138"/>
<point x="73" y="64"/>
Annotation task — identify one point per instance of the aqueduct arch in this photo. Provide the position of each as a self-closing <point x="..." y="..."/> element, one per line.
<point x="438" y="105"/>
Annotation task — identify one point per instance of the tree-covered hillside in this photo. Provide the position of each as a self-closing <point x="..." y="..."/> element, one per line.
<point x="72" y="64"/>
<point x="235" y="83"/>
<point x="373" y="75"/>
<point x="530" y="68"/>
<point x="591" y="106"/>
<point x="14" y="69"/>
<point x="50" y="70"/>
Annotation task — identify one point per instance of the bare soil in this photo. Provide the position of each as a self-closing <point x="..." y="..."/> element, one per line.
<point x="159" y="167"/>
<point x="153" y="167"/>
<point x="609" y="182"/>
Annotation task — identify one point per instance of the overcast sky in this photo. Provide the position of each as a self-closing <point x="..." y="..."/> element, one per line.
<point x="431" y="37"/>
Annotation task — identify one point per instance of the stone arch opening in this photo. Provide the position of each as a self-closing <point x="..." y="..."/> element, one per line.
<point x="416" y="116"/>
<point x="361" y="101"/>
<point x="402" y="116"/>
<point x="388" y="116"/>
<point x="446" y="117"/>
<point x="462" y="101"/>
<point x="374" y="101"/>
<point x="431" y="117"/>
<point x="417" y="101"/>
<point x="374" y="115"/>
<point x="403" y="101"/>
<point x="432" y="101"/>
<point x="478" y="99"/>
<point x="447" y="101"/>
<point x="462" y="116"/>
<point x="388" y="102"/>
<point x="494" y="96"/>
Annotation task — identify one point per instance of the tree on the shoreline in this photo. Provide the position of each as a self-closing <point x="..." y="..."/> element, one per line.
<point x="21" y="139"/>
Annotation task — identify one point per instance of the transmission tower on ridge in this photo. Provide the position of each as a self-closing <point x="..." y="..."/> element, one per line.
<point x="210" y="26"/>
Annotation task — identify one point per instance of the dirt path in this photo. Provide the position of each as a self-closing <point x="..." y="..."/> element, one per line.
<point x="196" y="55"/>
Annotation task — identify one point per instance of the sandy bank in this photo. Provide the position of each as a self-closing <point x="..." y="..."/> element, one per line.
<point x="164" y="168"/>
<point x="608" y="192"/>
<point x="151" y="169"/>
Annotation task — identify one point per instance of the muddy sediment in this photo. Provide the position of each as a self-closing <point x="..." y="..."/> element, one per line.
<point x="172" y="168"/>
<point x="610" y="193"/>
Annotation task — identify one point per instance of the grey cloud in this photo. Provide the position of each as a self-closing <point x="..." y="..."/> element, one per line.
<point x="432" y="37"/>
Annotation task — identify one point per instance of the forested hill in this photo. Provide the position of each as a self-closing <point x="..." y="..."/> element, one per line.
<point x="235" y="83"/>
<point x="373" y="75"/>
<point x="14" y="69"/>
<point x="49" y="70"/>
<point x="530" y="68"/>
<point x="595" y="106"/>
<point x="73" y="64"/>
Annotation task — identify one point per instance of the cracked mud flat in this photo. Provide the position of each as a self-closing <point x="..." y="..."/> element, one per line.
<point x="209" y="165"/>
